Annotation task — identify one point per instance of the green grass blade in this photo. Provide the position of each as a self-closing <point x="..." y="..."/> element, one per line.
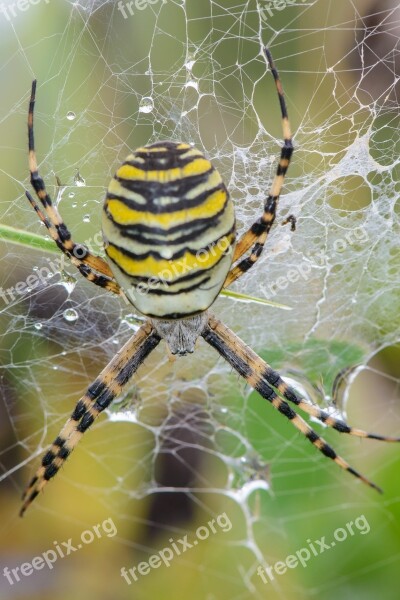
<point x="37" y="242"/>
<point x="26" y="239"/>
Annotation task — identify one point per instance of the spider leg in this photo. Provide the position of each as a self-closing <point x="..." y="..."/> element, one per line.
<point x="257" y="234"/>
<point x="274" y="379"/>
<point x="97" y="398"/>
<point x="86" y="271"/>
<point x="252" y="369"/>
<point x="79" y="255"/>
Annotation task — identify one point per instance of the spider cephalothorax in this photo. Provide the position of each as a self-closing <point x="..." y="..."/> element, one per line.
<point x="169" y="232"/>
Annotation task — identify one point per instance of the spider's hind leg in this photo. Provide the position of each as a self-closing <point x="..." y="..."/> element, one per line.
<point x="263" y="379"/>
<point x="97" y="398"/>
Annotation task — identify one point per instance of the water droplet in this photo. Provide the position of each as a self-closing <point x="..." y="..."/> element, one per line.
<point x="70" y="315"/>
<point x="38" y="326"/>
<point x="78" y="180"/>
<point x="146" y="104"/>
<point x="86" y="218"/>
<point x="71" y="194"/>
<point x="71" y="115"/>
<point x="189" y="65"/>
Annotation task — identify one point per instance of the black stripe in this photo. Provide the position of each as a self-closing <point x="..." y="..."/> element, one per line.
<point x="50" y="472"/>
<point x="328" y="451"/>
<point x="95" y="389"/>
<point x="48" y="458"/>
<point x="166" y="292"/>
<point x="124" y="374"/>
<point x="258" y="248"/>
<point x="156" y="161"/>
<point x="64" y="453"/>
<point x="136" y="280"/>
<point x="152" y="190"/>
<point x="175" y="316"/>
<point x="179" y="280"/>
<point x="258" y="228"/>
<point x="79" y="411"/>
<point x="168" y="145"/>
<point x="177" y="187"/>
<point x="287" y="150"/>
<point x="197" y="227"/>
<point x="270" y="206"/>
<point x="312" y="436"/>
<point x="286" y="410"/>
<point x="271" y="376"/>
<point x="225" y="351"/>
<point x="157" y="255"/>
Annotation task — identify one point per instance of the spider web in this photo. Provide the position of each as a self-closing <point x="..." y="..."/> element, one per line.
<point x="188" y="440"/>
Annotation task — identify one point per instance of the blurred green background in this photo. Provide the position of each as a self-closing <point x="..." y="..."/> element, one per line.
<point x="200" y="445"/>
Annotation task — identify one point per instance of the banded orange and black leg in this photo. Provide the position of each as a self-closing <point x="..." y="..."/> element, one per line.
<point x="97" y="398"/>
<point x="92" y="267"/>
<point x="270" y="386"/>
<point x="257" y="234"/>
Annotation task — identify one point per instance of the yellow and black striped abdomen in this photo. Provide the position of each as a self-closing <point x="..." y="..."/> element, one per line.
<point x="169" y="230"/>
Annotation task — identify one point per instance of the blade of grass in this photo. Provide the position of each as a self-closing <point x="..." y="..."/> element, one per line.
<point x="247" y="298"/>
<point x="26" y="239"/>
<point x="37" y="242"/>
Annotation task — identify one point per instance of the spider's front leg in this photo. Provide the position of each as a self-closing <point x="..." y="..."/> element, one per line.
<point x="257" y="235"/>
<point x="97" y="398"/>
<point x="88" y="264"/>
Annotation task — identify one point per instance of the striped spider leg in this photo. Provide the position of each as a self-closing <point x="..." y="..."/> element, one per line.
<point x="97" y="398"/>
<point x="257" y="234"/>
<point x="86" y="262"/>
<point x="261" y="377"/>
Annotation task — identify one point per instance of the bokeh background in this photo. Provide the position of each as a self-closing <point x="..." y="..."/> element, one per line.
<point x="189" y="441"/>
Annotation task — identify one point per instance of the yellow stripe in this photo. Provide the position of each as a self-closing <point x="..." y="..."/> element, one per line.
<point x="196" y="167"/>
<point x="124" y="215"/>
<point x="169" y="270"/>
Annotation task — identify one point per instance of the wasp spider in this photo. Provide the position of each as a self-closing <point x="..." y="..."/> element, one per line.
<point x="169" y="236"/>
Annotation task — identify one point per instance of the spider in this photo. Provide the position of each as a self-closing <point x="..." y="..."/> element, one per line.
<point x="169" y="236"/>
